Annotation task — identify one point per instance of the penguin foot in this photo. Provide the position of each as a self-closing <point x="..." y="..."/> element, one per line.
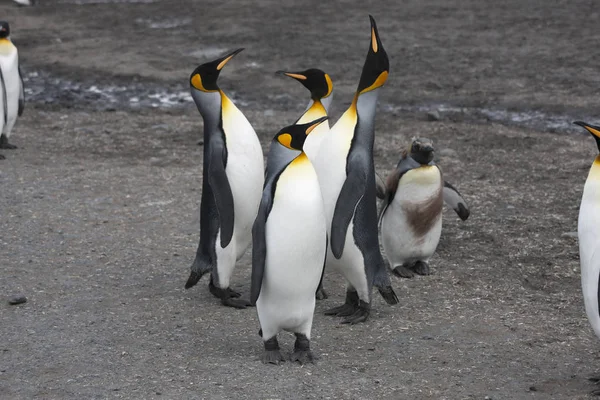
<point x="4" y="143"/>
<point x="360" y="315"/>
<point x="302" y="352"/>
<point x="344" y="310"/>
<point x="272" y="355"/>
<point x="235" y="303"/>
<point x="233" y="293"/>
<point x="321" y="294"/>
<point x="348" y="308"/>
<point x="421" y="268"/>
<point x="403" y="272"/>
<point x="303" y="357"/>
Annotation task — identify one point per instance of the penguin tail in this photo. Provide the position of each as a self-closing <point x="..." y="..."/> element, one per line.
<point x="192" y="280"/>
<point x="384" y="285"/>
<point x="388" y="295"/>
<point x="199" y="268"/>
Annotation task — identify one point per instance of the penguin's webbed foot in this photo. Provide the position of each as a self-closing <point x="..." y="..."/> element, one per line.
<point x="233" y="293"/>
<point x="321" y="294"/>
<point x="272" y="355"/>
<point x="302" y="352"/>
<point x="303" y="357"/>
<point x="4" y="143"/>
<point x="341" y="311"/>
<point x="235" y="303"/>
<point x="360" y="315"/>
<point x="346" y="309"/>
<point x="402" y="271"/>
<point x="421" y="268"/>
<point x="228" y="296"/>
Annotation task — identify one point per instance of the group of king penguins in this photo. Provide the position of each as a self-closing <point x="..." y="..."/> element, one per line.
<point x="314" y="206"/>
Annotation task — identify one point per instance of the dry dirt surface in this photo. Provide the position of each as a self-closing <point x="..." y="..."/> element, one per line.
<point x="99" y="206"/>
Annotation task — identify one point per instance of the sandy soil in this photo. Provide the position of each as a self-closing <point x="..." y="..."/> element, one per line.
<point x="99" y="209"/>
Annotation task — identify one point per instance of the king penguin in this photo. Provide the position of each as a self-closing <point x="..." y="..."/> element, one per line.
<point x="347" y="178"/>
<point x="232" y="182"/>
<point x="411" y="214"/>
<point x="289" y="244"/>
<point x="588" y="230"/>
<point x="321" y="88"/>
<point x="12" y="99"/>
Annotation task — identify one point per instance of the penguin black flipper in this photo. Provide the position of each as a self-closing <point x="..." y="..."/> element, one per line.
<point x="352" y="192"/>
<point x="21" y="94"/>
<point x="454" y="199"/>
<point x="404" y="165"/>
<point x="4" y="96"/>
<point x="217" y="178"/>
<point x="259" y="238"/>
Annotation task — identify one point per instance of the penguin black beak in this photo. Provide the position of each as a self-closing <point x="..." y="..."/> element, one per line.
<point x="427" y="149"/>
<point x="225" y="59"/>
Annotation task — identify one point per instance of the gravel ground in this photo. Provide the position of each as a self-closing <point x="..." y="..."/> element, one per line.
<point x="99" y="206"/>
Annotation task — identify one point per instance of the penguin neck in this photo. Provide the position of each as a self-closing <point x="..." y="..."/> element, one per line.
<point x="314" y="110"/>
<point x="326" y="101"/>
<point x="594" y="174"/>
<point x="300" y="159"/>
<point x="365" y="105"/>
<point x="209" y="105"/>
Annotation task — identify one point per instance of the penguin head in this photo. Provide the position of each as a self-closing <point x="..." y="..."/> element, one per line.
<point x="4" y="29"/>
<point x="594" y="130"/>
<point x="204" y="78"/>
<point x="293" y="136"/>
<point x="377" y="65"/>
<point x="421" y="150"/>
<point x="315" y="80"/>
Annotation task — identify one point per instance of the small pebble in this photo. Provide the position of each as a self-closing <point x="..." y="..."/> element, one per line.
<point x="433" y="115"/>
<point x="14" y="300"/>
<point x="532" y="389"/>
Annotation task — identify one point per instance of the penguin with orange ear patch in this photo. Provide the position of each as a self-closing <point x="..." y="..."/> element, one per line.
<point x="232" y="181"/>
<point x="289" y="241"/>
<point x="12" y="99"/>
<point x="588" y="230"/>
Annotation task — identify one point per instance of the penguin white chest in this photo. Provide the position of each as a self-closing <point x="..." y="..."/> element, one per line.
<point x="296" y="243"/>
<point x="330" y="163"/>
<point x="245" y="171"/>
<point x="412" y="223"/>
<point x="9" y="62"/>
<point x="588" y="228"/>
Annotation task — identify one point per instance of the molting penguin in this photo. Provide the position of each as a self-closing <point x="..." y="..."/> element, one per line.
<point x="411" y="214"/>
<point x="289" y="244"/>
<point x="588" y="229"/>
<point x="12" y="100"/>
<point x="321" y="87"/>
<point x="347" y="178"/>
<point x="232" y="181"/>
